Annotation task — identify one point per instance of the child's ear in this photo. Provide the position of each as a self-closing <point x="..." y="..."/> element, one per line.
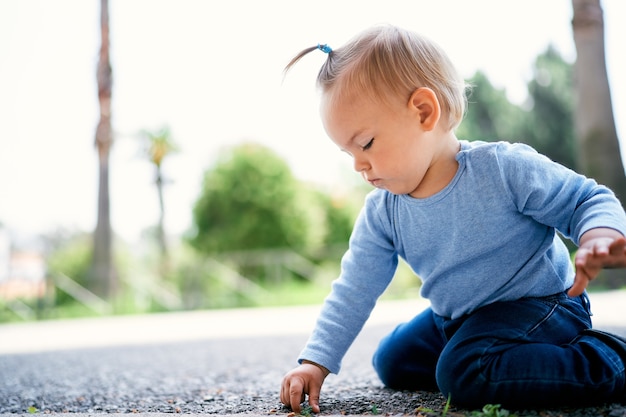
<point x="424" y="103"/>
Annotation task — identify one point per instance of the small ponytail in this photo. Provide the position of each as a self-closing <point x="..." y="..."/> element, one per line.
<point x="322" y="47"/>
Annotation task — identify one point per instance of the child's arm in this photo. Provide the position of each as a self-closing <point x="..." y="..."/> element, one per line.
<point x="305" y="379"/>
<point x="599" y="248"/>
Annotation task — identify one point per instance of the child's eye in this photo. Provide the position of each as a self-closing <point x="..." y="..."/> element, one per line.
<point x="368" y="145"/>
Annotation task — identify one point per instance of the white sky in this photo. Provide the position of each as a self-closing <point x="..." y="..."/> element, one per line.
<point x="212" y="71"/>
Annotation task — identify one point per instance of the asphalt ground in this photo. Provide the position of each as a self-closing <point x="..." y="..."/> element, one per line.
<point x="219" y="362"/>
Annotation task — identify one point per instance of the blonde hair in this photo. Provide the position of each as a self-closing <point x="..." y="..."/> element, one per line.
<point x="389" y="63"/>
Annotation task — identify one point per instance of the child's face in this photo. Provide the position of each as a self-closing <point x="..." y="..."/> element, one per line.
<point x="390" y="144"/>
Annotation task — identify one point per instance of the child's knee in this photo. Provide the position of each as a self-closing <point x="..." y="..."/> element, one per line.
<point x="398" y="371"/>
<point x="386" y="364"/>
<point x="461" y="382"/>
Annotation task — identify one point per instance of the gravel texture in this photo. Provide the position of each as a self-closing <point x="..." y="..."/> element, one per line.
<point x="217" y="376"/>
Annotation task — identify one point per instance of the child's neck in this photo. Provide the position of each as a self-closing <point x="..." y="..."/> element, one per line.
<point x="442" y="170"/>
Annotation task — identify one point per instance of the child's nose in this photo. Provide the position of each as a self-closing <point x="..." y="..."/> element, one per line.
<point x="360" y="164"/>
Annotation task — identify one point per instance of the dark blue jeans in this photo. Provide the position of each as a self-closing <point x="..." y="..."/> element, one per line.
<point x="521" y="354"/>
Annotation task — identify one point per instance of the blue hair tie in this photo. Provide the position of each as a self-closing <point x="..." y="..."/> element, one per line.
<point x="324" y="48"/>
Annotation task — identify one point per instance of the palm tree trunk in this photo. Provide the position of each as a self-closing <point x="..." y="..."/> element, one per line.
<point x="162" y="238"/>
<point x="103" y="277"/>
<point x="161" y="227"/>
<point x="600" y="156"/>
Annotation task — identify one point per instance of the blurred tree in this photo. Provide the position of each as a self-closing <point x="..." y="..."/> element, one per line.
<point x="157" y="146"/>
<point x="68" y="255"/>
<point x="549" y="124"/>
<point x="340" y="216"/>
<point x="600" y="156"/>
<point x="490" y="115"/>
<point x="545" y="122"/>
<point x="103" y="276"/>
<point x="250" y="200"/>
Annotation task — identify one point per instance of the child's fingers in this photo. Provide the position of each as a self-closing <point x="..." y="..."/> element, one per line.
<point x="296" y="396"/>
<point x="314" y="399"/>
<point x="583" y="258"/>
<point x="590" y="261"/>
<point x="580" y="284"/>
<point x="617" y="249"/>
<point x="602" y="255"/>
<point x="292" y="393"/>
<point x="583" y="274"/>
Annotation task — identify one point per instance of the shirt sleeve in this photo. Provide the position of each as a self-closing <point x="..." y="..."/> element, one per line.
<point x="366" y="270"/>
<point x="557" y="196"/>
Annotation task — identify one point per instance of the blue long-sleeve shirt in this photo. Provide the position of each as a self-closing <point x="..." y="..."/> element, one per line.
<point x="489" y="235"/>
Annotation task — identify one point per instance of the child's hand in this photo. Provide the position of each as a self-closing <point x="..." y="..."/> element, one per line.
<point x="599" y="248"/>
<point x="305" y="379"/>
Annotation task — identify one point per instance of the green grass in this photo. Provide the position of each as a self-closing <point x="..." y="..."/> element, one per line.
<point x="295" y="293"/>
<point x="292" y="292"/>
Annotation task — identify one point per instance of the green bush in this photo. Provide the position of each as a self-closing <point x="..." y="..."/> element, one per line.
<point x="73" y="259"/>
<point x="250" y="200"/>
